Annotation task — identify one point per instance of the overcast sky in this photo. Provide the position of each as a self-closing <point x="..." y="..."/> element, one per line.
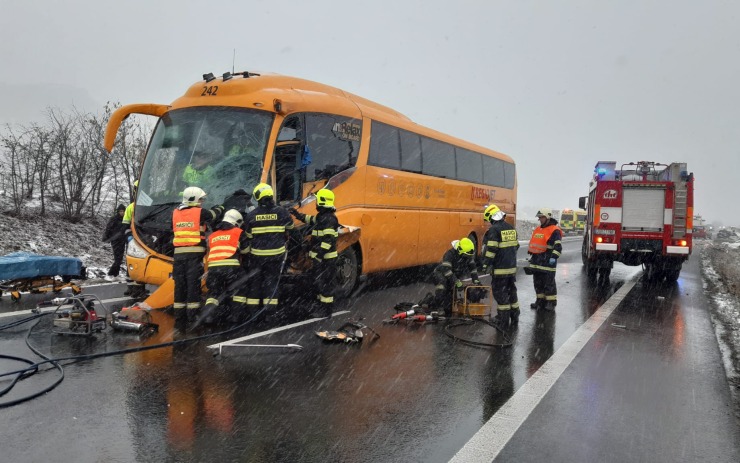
<point x="557" y="85"/>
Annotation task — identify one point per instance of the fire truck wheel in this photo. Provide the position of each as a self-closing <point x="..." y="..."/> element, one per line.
<point x="672" y="274"/>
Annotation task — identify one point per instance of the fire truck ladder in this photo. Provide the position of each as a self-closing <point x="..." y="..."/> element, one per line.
<point x="679" y="210"/>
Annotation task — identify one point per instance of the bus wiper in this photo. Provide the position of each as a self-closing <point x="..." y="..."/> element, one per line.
<point x="157" y="210"/>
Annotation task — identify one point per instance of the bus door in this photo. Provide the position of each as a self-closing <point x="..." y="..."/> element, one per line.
<point x="288" y="159"/>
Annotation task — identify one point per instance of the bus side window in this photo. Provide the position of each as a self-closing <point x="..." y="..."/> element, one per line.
<point x="333" y="144"/>
<point x="288" y="157"/>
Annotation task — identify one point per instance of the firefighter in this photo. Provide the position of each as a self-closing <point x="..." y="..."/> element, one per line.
<point x="545" y="247"/>
<point x="267" y="228"/>
<point x="228" y="248"/>
<point x="323" y="252"/>
<point x="189" y="226"/>
<point x="499" y="258"/>
<point x="457" y="263"/>
<point x="133" y="288"/>
<point x="115" y="234"/>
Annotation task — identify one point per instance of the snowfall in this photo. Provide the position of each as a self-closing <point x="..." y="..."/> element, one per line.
<point x="51" y="235"/>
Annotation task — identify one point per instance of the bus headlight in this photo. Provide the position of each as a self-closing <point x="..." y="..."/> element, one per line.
<point x="135" y="250"/>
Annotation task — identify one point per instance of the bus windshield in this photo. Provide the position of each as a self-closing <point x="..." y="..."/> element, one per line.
<point x="218" y="149"/>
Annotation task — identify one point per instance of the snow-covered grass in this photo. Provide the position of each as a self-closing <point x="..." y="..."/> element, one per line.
<point x="721" y="272"/>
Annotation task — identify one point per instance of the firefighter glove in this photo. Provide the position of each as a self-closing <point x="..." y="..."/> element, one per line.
<point x="553" y="261"/>
<point x="294" y="212"/>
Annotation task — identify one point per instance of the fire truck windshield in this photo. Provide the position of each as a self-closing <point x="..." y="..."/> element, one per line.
<point x="217" y="149"/>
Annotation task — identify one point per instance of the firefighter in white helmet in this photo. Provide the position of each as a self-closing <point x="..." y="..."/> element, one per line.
<point x="228" y="249"/>
<point x="499" y="259"/>
<point x="545" y="248"/>
<point x="189" y="222"/>
<point x="323" y="248"/>
<point x="267" y="228"/>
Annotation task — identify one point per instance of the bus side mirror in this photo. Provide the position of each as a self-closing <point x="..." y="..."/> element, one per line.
<point x="582" y="202"/>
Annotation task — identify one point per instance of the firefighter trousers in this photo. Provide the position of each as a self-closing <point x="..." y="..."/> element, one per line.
<point x="544" y="286"/>
<point x="504" y="292"/>
<point x="262" y="288"/>
<point x="219" y="282"/>
<point x="187" y="271"/>
<point x="324" y="276"/>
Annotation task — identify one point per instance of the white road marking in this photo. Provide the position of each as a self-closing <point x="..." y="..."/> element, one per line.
<point x="488" y="442"/>
<point x="274" y="330"/>
<point x="54" y="307"/>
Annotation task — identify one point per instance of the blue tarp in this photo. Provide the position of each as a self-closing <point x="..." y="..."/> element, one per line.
<point x="28" y="265"/>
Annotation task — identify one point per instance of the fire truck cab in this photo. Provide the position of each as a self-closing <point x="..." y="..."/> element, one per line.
<point x="640" y="214"/>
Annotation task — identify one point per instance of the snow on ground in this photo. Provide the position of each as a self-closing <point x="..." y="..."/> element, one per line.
<point x="721" y="272"/>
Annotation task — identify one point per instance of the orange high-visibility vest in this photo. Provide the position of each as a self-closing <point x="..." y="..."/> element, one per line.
<point x="223" y="245"/>
<point x="540" y="237"/>
<point x="187" y="228"/>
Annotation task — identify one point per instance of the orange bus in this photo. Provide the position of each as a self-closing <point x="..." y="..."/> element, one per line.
<point x="404" y="192"/>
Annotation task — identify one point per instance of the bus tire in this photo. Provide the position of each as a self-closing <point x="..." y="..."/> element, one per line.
<point x="348" y="272"/>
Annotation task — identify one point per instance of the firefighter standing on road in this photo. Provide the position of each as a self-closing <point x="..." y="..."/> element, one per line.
<point x="228" y="247"/>
<point x="499" y="258"/>
<point x="545" y="247"/>
<point x="266" y="227"/>
<point x="189" y="226"/>
<point x="457" y="263"/>
<point x="323" y="252"/>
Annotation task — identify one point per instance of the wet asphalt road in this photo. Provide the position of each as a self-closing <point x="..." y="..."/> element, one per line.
<point x="411" y="395"/>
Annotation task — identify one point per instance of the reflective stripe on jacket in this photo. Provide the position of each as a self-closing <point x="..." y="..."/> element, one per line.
<point x="223" y="246"/>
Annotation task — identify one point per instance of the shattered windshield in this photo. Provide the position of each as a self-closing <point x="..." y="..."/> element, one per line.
<point x="217" y="149"/>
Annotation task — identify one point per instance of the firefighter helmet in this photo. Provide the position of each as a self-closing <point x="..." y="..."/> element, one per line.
<point x="263" y="190"/>
<point x="233" y="217"/>
<point x="544" y="212"/>
<point x="493" y="212"/>
<point x="325" y="198"/>
<point x="464" y="246"/>
<point x="193" y="195"/>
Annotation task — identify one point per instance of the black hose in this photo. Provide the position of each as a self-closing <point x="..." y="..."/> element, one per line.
<point x="472" y="321"/>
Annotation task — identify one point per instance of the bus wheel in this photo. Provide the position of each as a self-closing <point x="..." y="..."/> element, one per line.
<point x="347" y="272"/>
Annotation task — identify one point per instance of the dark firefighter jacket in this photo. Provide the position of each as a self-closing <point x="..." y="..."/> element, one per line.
<point x="455" y="266"/>
<point x="549" y="237"/>
<point x="324" y="234"/>
<point x="501" y="243"/>
<point x="266" y="228"/>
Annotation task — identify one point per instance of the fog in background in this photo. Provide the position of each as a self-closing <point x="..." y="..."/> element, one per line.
<point x="556" y="85"/>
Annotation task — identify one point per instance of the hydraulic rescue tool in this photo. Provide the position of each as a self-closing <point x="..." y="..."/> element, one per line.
<point x="133" y="319"/>
<point x="80" y="315"/>
<point x="349" y="333"/>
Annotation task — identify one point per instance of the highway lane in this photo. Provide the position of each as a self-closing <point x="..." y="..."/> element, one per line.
<point x="411" y="395"/>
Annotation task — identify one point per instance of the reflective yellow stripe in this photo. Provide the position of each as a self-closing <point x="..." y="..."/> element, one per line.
<point x="490" y="254"/>
<point x="515" y="306"/>
<point x="189" y="249"/>
<point x="325" y="246"/>
<point x="224" y="263"/>
<point x="211" y="300"/>
<point x="326" y="298"/>
<point x="178" y="305"/>
<point x="268" y="252"/>
<point x="504" y="307"/>
<point x="492" y="244"/>
<point x="508" y="244"/>
<point x="252" y="301"/>
<point x="330" y="255"/>
<point x="551" y="298"/>
<point x="504" y="271"/>
<point x="271" y="229"/>
<point x="192" y="305"/>
<point x="312" y="254"/>
<point x="325" y="232"/>
<point x="241" y="299"/>
<point x="540" y="267"/>
<point x="271" y="301"/>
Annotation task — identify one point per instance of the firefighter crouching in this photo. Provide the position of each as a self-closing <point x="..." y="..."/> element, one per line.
<point x="189" y="226"/>
<point x="228" y="247"/>
<point x="323" y="252"/>
<point x="266" y="226"/>
<point x="545" y="247"/>
<point x="457" y="263"/>
<point x="499" y="258"/>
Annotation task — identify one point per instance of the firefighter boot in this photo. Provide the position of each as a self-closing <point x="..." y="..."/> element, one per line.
<point x="502" y="319"/>
<point x="514" y="314"/>
<point x="181" y="320"/>
<point x="538" y="304"/>
<point x="550" y="305"/>
<point x="326" y="309"/>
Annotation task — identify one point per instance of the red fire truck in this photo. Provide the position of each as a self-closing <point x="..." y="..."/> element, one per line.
<point x="640" y="214"/>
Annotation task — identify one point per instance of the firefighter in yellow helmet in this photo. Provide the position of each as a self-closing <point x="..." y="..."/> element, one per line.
<point x="267" y="227"/>
<point x="457" y="263"/>
<point x="500" y="245"/>
<point x="228" y="247"/>
<point x="323" y="252"/>
<point x="545" y="247"/>
<point x="189" y="222"/>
